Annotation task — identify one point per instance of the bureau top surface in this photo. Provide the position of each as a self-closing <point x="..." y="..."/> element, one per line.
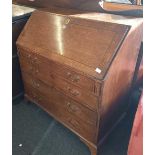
<point x="84" y="44"/>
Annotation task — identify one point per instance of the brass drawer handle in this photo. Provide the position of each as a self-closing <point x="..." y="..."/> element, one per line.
<point x="35" y="60"/>
<point x="73" y="92"/>
<point x="72" y="107"/>
<point x="35" y="84"/>
<point x="34" y="70"/>
<point x="67" y="21"/>
<point x="74" y="78"/>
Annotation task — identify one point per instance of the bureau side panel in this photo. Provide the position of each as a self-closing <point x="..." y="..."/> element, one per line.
<point x="118" y="81"/>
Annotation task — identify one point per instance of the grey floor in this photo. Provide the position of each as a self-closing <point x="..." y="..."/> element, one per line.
<point x="37" y="133"/>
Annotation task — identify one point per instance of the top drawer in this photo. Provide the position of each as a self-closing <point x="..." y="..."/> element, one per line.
<point x="71" y="76"/>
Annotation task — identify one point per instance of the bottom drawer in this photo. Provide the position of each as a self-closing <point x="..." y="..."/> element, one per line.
<point x="58" y="111"/>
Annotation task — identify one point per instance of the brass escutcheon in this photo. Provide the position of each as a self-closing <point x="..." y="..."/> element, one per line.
<point x="67" y="21"/>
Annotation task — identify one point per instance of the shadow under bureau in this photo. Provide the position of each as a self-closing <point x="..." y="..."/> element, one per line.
<point x="79" y="68"/>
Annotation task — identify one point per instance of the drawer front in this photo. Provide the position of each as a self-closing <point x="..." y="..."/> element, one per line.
<point x="60" y="111"/>
<point x="67" y="103"/>
<point x="74" y="92"/>
<point x="68" y="74"/>
<point x="74" y="78"/>
<point x="52" y="79"/>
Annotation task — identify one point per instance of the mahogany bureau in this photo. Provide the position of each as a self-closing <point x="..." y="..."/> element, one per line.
<point x="79" y="68"/>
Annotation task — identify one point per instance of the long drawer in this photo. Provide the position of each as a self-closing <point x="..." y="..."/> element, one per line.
<point x="67" y="73"/>
<point x="43" y="73"/>
<point x="72" y="114"/>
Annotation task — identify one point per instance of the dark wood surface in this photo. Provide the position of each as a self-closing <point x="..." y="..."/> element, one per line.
<point x="59" y="57"/>
<point x="74" y="4"/>
<point x="65" y="32"/>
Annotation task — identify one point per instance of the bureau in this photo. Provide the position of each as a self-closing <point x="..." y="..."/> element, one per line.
<point x="79" y="68"/>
